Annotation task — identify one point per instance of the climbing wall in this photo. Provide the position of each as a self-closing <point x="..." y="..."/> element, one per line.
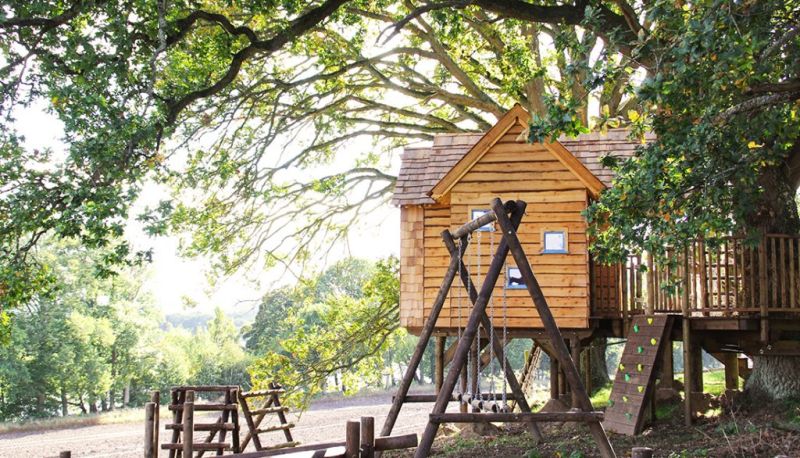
<point x="636" y="374"/>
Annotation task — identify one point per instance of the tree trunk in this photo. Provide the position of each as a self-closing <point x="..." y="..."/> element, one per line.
<point x="775" y="377"/>
<point x="64" y="404"/>
<point x="597" y="359"/>
<point x="126" y="395"/>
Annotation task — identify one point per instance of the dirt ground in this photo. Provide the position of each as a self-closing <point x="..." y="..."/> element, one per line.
<point x="323" y="422"/>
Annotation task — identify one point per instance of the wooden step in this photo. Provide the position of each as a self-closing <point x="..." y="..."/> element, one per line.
<point x="280" y="446"/>
<point x="276" y="428"/>
<point x="206" y="407"/>
<point x="206" y="388"/>
<point x="251" y="394"/>
<point x="203" y="426"/>
<point x="201" y="446"/>
<point x="269" y="410"/>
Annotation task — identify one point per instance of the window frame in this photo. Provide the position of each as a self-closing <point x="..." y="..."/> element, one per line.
<point x="563" y="232"/>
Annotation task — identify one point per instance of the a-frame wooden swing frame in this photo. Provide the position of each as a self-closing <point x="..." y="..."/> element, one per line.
<point x="508" y="216"/>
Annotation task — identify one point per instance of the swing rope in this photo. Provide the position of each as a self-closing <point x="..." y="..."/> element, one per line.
<point x="478" y="347"/>
<point x="492" y="388"/>
<point x="505" y="330"/>
<point x="460" y="293"/>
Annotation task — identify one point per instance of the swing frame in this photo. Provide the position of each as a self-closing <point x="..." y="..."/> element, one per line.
<point x="508" y="216"/>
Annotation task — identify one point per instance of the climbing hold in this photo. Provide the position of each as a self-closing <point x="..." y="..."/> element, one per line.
<point x="635" y="328"/>
<point x="621" y="367"/>
<point x="627" y="377"/>
<point x="649" y="321"/>
<point x="653" y="341"/>
<point x="611" y="403"/>
<point x="624" y="399"/>
<point x="640" y="349"/>
<point x="629" y="416"/>
<point x="640" y="367"/>
<point x="640" y="388"/>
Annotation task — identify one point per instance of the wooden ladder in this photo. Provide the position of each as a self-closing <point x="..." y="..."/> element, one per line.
<point x="183" y="407"/>
<point x="636" y="375"/>
<point x="270" y="404"/>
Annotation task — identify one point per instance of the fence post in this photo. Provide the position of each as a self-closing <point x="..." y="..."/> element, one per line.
<point x="149" y="429"/>
<point x="367" y="437"/>
<point x="156" y="399"/>
<point x="352" y="439"/>
<point x="188" y="424"/>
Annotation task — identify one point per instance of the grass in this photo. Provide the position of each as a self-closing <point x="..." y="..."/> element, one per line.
<point x="114" y="417"/>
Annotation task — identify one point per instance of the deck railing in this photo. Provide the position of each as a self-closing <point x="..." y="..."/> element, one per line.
<point x="733" y="278"/>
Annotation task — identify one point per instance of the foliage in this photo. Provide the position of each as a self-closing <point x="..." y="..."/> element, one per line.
<point x="87" y="340"/>
<point x="721" y="103"/>
<point x="256" y="114"/>
<point x="336" y="335"/>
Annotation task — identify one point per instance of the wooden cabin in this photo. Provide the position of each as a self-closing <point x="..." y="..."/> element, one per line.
<point x="444" y="185"/>
<point x="736" y="298"/>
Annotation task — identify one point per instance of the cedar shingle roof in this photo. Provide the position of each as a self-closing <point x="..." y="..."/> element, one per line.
<point x="423" y="167"/>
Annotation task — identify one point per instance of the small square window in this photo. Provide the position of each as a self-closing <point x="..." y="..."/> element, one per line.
<point x="554" y="242"/>
<point x="477" y="213"/>
<point x="514" y="279"/>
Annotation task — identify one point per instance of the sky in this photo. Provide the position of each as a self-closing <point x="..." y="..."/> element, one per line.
<point x="174" y="279"/>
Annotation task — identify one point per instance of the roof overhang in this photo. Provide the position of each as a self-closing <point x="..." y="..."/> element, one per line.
<point x="516" y="115"/>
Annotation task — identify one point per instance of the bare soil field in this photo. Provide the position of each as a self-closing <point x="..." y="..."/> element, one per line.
<point x="323" y="422"/>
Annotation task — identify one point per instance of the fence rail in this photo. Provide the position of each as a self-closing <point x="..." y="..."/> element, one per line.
<point x="733" y="278"/>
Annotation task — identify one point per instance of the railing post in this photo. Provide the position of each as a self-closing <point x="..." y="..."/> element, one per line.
<point x="651" y="285"/>
<point x="701" y="248"/>
<point x="763" y="291"/>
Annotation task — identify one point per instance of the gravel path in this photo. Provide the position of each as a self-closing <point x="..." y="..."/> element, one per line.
<point x="324" y="422"/>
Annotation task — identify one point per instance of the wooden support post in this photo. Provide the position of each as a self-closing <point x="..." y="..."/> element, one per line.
<point x="155" y="398"/>
<point x="562" y="383"/>
<point x="586" y="356"/>
<point x="367" y="437"/>
<point x="687" y="342"/>
<point x="462" y="407"/>
<point x="65" y="454"/>
<point x="424" y="337"/>
<point x="550" y="326"/>
<point x="438" y="376"/>
<point x="641" y="452"/>
<point x="352" y="439"/>
<point x="575" y="349"/>
<point x="175" y="397"/>
<point x="731" y="361"/>
<point x="554" y="375"/>
<point x="149" y="429"/>
<point x="188" y="424"/>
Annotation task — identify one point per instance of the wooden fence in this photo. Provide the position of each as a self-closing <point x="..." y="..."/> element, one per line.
<point x="733" y="278"/>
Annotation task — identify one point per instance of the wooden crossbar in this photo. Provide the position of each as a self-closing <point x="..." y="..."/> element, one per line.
<point x="517" y="417"/>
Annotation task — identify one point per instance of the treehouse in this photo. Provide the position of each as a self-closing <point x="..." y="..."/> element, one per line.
<point x="733" y="299"/>
<point x="442" y="186"/>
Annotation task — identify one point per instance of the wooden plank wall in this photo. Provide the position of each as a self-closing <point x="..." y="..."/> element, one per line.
<point x="411" y="266"/>
<point x="437" y="219"/>
<point x="517" y="170"/>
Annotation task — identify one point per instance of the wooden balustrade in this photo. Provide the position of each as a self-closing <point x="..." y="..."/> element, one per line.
<point x="732" y="278"/>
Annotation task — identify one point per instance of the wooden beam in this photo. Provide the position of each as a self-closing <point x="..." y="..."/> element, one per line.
<point x="422" y="344"/>
<point x="531" y="417"/>
<point x="546" y="316"/>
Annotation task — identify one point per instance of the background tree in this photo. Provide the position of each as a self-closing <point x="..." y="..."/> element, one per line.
<point x="245" y="95"/>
